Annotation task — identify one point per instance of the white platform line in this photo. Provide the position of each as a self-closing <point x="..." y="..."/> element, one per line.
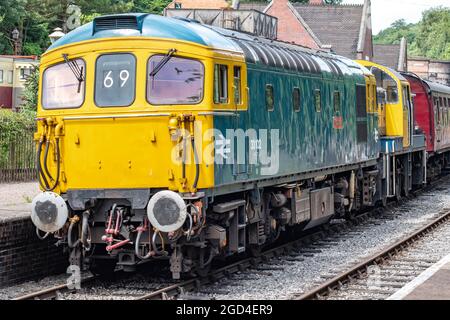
<point x="424" y="276"/>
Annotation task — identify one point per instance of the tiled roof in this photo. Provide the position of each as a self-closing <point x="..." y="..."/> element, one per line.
<point x="260" y="6"/>
<point x="387" y="55"/>
<point x="336" y="25"/>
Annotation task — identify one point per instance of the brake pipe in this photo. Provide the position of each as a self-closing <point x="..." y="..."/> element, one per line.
<point x="117" y="245"/>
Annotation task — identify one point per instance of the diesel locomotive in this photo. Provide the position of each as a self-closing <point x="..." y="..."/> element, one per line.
<point x="162" y="138"/>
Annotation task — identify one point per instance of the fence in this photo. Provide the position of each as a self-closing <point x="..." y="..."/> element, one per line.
<point x="17" y="156"/>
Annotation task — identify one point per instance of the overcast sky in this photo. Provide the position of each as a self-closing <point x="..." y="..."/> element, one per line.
<point x="384" y="12"/>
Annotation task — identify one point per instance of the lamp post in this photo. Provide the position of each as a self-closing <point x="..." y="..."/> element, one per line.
<point x="56" y="34"/>
<point x="15" y="34"/>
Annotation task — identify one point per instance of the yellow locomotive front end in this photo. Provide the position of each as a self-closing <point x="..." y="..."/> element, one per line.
<point x="117" y="126"/>
<point x="124" y="138"/>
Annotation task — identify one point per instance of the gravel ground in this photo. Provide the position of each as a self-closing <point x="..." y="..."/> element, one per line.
<point x="15" y="199"/>
<point x="363" y="241"/>
<point x="389" y="278"/>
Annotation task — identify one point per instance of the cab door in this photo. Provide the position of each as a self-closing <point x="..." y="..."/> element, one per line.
<point x="407" y="116"/>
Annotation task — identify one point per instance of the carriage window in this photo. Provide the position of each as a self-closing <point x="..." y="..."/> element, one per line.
<point x="296" y="99"/>
<point x="317" y="100"/>
<point x="237" y="85"/>
<point x="220" y="83"/>
<point x="179" y="81"/>
<point x="60" y="87"/>
<point x="337" y="101"/>
<point x="115" y="80"/>
<point x="269" y="97"/>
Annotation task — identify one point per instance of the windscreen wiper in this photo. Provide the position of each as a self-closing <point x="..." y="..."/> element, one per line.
<point x="76" y="70"/>
<point x="163" y="62"/>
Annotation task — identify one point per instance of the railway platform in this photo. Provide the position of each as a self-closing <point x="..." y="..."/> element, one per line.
<point x="23" y="256"/>
<point x="432" y="284"/>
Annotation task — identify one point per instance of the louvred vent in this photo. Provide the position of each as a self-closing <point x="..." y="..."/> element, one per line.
<point x="115" y="22"/>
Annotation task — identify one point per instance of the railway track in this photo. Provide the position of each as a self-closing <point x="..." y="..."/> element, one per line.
<point x="263" y="264"/>
<point x="391" y="254"/>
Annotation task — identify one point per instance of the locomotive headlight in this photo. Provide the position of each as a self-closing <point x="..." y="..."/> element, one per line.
<point x="166" y="211"/>
<point x="49" y="212"/>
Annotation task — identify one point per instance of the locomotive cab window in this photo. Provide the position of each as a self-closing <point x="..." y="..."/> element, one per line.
<point x="269" y="97"/>
<point x="317" y="100"/>
<point x="220" y="83"/>
<point x="237" y="85"/>
<point x="61" y="89"/>
<point x="337" y="102"/>
<point x="174" y="81"/>
<point x="296" y="99"/>
<point x="115" y="80"/>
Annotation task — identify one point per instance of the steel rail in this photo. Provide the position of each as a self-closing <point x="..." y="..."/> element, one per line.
<point x="52" y="292"/>
<point x="360" y="270"/>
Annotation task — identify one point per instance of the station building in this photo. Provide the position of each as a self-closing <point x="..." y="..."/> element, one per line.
<point x="14" y="71"/>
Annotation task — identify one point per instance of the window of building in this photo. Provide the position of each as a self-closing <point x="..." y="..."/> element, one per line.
<point x="296" y="99"/>
<point x="177" y="5"/>
<point x="237" y="85"/>
<point x="269" y="97"/>
<point x="220" y="83"/>
<point x="1" y="76"/>
<point x="337" y="101"/>
<point x="10" y="76"/>
<point x="317" y="100"/>
<point x="24" y="73"/>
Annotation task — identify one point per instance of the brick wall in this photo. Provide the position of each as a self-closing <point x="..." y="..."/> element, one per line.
<point x="434" y="70"/>
<point x="25" y="257"/>
<point x="289" y="27"/>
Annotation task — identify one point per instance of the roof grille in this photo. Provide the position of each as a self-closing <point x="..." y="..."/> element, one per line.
<point x="115" y="22"/>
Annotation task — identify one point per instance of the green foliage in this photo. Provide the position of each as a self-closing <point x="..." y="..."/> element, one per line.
<point x="13" y="126"/>
<point x="15" y="122"/>
<point x="30" y="94"/>
<point x="428" y="38"/>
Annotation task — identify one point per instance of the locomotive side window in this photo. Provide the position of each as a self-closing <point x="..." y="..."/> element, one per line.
<point x="237" y="85"/>
<point x="337" y="101"/>
<point x="296" y="99"/>
<point x="60" y="87"/>
<point x="317" y="100"/>
<point x="174" y="81"/>
<point x="269" y="97"/>
<point x="220" y="83"/>
<point x="115" y="80"/>
<point x="386" y="82"/>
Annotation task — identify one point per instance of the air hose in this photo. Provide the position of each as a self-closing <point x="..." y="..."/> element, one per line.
<point x="197" y="165"/>
<point x="39" y="168"/>
<point x="58" y="166"/>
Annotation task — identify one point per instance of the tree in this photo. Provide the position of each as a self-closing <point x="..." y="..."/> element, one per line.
<point x="428" y="38"/>
<point x="30" y="93"/>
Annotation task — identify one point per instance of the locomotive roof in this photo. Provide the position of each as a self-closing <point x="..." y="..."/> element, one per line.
<point x="255" y="49"/>
<point x="146" y="25"/>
